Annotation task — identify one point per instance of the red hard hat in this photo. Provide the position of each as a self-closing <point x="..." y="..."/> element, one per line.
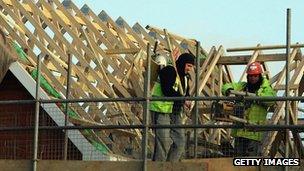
<point x="254" y="68"/>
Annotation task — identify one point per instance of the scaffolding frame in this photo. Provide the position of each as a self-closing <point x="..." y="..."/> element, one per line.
<point x="125" y="44"/>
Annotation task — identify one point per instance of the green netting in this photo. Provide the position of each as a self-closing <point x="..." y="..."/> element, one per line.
<point x="50" y="90"/>
<point x="100" y="147"/>
<point x="71" y="113"/>
<point x="43" y="82"/>
<point x="20" y="52"/>
<point x="45" y="85"/>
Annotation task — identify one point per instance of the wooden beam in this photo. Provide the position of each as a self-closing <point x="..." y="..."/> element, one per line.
<point x="271" y="47"/>
<point x="278" y="76"/>
<point x="244" y="59"/>
<point x="131" y="32"/>
<point x="282" y="73"/>
<point x="282" y="87"/>
<point x="301" y="88"/>
<point x="122" y="51"/>
<point x="103" y="16"/>
<point x="175" y="36"/>
<point x="140" y="30"/>
<point x="211" y="66"/>
<point x="252" y="59"/>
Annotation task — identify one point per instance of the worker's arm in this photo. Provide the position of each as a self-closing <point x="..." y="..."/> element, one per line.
<point x="266" y="90"/>
<point x="167" y="77"/>
<point x="188" y="77"/>
<point x="232" y="86"/>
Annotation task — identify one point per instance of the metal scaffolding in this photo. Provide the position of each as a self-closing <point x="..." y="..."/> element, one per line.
<point x="97" y="86"/>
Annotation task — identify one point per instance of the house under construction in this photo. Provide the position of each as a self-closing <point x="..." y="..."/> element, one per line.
<point x="92" y="92"/>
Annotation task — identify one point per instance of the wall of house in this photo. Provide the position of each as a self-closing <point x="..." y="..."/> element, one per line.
<point x="19" y="144"/>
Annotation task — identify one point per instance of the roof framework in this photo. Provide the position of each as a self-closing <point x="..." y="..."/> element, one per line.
<point x="108" y="59"/>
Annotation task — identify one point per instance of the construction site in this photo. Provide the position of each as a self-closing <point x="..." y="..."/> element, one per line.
<point x="76" y="90"/>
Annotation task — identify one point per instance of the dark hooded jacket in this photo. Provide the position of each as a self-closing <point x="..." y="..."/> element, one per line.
<point x="168" y="77"/>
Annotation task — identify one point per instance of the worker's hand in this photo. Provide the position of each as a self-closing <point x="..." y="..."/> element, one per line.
<point x="228" y="92"/>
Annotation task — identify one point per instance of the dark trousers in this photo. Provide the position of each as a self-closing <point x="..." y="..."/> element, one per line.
<point x="246" y="147"/>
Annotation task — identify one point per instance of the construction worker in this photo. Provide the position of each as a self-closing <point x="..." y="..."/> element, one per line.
<point x="247" y="142"/>
<point x="170" y="143"/>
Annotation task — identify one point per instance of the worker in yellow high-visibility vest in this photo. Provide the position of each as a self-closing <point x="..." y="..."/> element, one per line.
<point x="170" y="143"/>
<point x="247" y="142"/>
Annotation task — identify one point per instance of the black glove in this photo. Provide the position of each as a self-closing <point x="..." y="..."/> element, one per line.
<point x="228" y="91"/>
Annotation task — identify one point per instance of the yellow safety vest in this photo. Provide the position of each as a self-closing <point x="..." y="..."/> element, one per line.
<point x="162" y="106"/>
<point x="256" y="113"/>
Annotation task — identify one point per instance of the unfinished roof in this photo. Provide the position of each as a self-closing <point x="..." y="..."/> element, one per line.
<point x="108" y="61"/>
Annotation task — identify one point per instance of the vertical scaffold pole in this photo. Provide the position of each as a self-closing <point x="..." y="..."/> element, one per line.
<point x="287" y="85"/>
<point x="197" y="69"/>
<point x="66" y="135"/>
<point x="146" y="109"/>
<point x="37" y="106"/>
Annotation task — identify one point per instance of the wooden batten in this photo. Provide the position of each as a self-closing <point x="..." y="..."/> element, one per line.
<point x="108" y="61"/>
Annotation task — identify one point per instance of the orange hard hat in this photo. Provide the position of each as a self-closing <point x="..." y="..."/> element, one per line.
<point x="254" y="68"/>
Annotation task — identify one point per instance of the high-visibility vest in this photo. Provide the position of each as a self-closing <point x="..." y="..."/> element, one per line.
<point x="162" y="106"/>
<point x="256" y="113"/>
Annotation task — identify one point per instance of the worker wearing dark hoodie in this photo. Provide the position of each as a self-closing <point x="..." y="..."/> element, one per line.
<point x="170" y="143"/>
